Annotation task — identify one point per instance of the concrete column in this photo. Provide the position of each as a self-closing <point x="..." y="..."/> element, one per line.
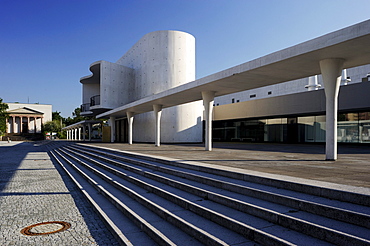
<point x="89" y="129"/>
<point x="34" y="125"/>
<point x="11" y="125"/>
<point x="79" y="133"/>
<point x="208" y="100"/>
<point x="7" y="125"/>
<point x="84" y="132"/>
<point x="21" y="121"/>
<point x="130" y="119"/>
<point x="14" y="129"/>
<point x="75" y="134"/>
<point x="157" y="112"/>
<point x="28" y="124"/>
<point x="112" y="123"/>
<point x="331" y="70"/>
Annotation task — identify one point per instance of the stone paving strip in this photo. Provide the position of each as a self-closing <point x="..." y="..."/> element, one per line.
<point x="33" y="191"/>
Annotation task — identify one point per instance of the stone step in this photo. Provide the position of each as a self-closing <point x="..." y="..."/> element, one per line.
<point x="138" y="220"/>
<point x="339" y="192"/>
<point x="223" y="219"/>
<point x="323" y="207"/>
<point x="310" y="228"/>
<point x="206" y="238"/>
<point x="281" y="217"/>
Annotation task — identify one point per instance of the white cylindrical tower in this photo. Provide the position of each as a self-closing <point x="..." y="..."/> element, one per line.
<point x="162" y="60"/>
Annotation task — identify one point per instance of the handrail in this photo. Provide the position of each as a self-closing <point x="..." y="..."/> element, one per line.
<point x="85" y="107"/>
<point x="95" y="100"/>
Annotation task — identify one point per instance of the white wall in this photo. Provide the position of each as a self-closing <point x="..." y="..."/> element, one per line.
<point x="44" y="108"/>
<point x="162" y="60"/>
<point x="88" y="91"/>
<point x="115" y="84"/>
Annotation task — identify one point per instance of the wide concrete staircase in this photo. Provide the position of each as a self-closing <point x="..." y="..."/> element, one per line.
<point x="149" y="201"/>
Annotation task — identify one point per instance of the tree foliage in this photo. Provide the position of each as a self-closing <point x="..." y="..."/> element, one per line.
<point x="76" y="117"/>
<point x="3" y="116"/>
<point x="58" y="122"/>
<point x="52" y="126"/>
<point x="56" y="116"/>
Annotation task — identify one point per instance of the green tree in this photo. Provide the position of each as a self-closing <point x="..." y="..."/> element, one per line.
<point x="76" y="117"/>
<point x="3" y="116"/>
<point x="52" y="126"/>
<point x="56" y="116"/>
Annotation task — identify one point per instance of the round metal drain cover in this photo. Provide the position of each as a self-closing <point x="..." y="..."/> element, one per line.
<point x="45" y="228"/>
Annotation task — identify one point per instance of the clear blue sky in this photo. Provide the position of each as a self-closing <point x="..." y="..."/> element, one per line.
<point x="46" y="46"/>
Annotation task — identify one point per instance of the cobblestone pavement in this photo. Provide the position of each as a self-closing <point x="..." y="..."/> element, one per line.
<point x="33" y="190"/>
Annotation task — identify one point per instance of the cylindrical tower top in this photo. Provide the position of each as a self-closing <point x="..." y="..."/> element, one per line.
<point x="161" y="60"/>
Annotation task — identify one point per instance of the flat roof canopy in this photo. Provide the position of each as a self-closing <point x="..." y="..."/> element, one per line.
<point x="351" y="44"/>
<point x="81" y="124"/>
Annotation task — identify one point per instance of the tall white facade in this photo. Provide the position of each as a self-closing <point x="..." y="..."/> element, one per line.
<point x="157" y="62"/>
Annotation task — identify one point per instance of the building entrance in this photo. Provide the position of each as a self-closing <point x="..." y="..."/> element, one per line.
<point x="24" y="127"/>
<point x="292" y="130"/>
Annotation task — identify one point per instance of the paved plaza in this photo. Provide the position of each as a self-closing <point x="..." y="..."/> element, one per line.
<point x="34" y="190"/>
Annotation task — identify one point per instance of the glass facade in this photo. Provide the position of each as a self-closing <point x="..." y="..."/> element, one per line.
<point x="352" y="128"/>
<point x="312" y="129"/>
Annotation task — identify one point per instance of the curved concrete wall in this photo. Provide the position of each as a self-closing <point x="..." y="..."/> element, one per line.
<point x="162" y="60"/>
<point x="115" y="84"/>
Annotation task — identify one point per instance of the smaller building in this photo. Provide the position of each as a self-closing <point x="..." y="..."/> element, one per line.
<point x="25" y="118"/>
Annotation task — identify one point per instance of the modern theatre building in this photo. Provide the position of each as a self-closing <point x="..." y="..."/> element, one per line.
<point x="316" y="91"/>
<point x="157" y="62"/>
